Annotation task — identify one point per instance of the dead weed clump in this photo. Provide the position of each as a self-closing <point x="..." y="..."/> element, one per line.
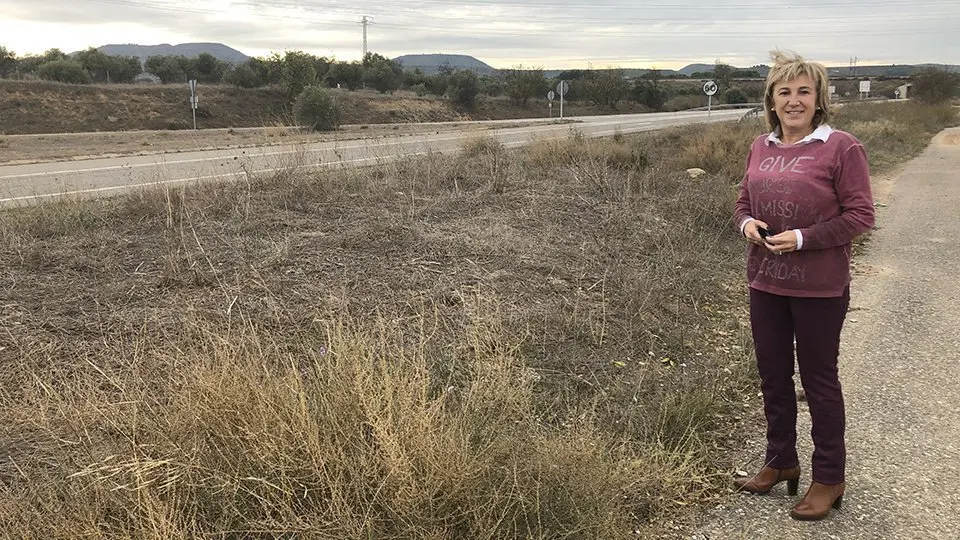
<point x="719" y="149"/>
<point x="331" y="430"/>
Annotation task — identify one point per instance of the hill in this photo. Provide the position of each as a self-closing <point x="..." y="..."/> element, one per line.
<point x="190" y="50"/>
<point x="431" y="63"/>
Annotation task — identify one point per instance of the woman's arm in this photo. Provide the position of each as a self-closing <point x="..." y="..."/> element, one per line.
<point x="742" y="208"/>
<point x="852" y="184"/>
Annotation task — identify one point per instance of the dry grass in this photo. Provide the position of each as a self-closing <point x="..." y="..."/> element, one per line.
<point x="544" y="343"/>
<point x="894" y="132"/>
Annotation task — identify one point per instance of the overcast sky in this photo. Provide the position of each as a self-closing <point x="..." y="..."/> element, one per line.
<point x="551" y="34"/>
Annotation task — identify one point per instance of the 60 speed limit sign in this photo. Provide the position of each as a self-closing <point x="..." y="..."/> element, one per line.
<point x="710" y="88"/>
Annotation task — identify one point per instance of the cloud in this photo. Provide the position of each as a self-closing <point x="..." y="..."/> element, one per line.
<point x="547" y="33"/>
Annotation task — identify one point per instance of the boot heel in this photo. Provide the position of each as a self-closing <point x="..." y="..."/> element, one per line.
<point x="793" y="486"/>
<point x="838" y="503"/>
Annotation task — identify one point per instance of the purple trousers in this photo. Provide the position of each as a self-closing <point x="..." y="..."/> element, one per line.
<point x="816" y="325"/>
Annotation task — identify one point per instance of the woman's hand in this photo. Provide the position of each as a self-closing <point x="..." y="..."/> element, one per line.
<point x="784" y="242"/>
<point x="750" y="231"/>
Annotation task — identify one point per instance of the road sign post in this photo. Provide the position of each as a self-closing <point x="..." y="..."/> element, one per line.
<point x="562" y="88"/>
<point x="193" y="100"/>
<point x="864" y="89"/>
<point x="709" y="88"/>
<point x="550" y="96"/>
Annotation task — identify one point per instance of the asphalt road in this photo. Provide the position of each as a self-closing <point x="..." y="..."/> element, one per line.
<point x="900" y="367"/>
<point x="26" y="184"/>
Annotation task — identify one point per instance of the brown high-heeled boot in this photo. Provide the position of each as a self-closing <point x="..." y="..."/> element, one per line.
<point x="768" y="477"/>
<point x="818" y="500"/>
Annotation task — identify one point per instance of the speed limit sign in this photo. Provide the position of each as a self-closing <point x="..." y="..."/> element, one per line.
<point x="710" y="88"/>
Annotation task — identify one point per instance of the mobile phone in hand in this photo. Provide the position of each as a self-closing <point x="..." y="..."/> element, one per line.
<point x="764" y="233"/>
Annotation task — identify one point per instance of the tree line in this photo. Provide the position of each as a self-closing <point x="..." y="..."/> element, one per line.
<point x="293" y="71"/>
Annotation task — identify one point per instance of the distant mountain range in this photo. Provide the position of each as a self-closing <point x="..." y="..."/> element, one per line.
<point x="190" y="50"/>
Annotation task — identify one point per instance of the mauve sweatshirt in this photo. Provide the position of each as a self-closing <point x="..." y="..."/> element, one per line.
<point x="821" y="188"/>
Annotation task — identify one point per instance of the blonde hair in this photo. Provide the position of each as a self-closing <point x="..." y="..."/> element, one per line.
<point x="787" y="67"/>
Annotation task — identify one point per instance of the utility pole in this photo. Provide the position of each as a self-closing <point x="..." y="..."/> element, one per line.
<point x="365" y="21"/>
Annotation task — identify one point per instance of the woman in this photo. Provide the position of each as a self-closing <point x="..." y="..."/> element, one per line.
<point x="805" y="196"/>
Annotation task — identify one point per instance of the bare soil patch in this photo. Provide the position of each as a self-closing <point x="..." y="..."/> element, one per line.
<point x="949" y="139"/>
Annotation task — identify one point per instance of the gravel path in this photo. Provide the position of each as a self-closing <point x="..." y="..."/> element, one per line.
<point x="900" y="367"/>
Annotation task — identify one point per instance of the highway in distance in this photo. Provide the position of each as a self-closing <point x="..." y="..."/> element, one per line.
<point x="38" y="182"/>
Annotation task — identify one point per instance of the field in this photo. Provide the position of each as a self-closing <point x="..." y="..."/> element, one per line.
<point x="541" y="343"/>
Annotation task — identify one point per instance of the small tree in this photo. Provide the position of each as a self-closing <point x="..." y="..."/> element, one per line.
<point x="437" y="84"/>
<point x="8" y="61"/>
<point x="349" y="74"/>
<point x="650" y="94"/>
<point x="317" y="108"/>
<point x="104" y="68"/>
<point x="491" y="86"/>
<point x="411" y="78"/>
<point x="209" y="69"/>
<point x="171" y="69"/>
<point x="299" y="71"/>
<point x="31" y="63"/>
<point x="269" y="69"/>
<point x="95" y="63"/>
<point x="380" y="72"/>
<point x="932" y="85"/>
<point x="382" y="78"/>
<point x="123" y="69"/>
<point x="523" y="84"/>
<point x="65" y="71"/>
<point x="606" y="88"/>
<point x="723" y="74"/>
<point x="463" y="88"/>
<point x="243" y="76"/>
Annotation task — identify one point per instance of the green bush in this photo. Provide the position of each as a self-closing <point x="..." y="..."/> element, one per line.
<point x="65" y="71"/>
<point x="297" y="72"/>
<point x="649" y="94"/>
<point x="463" y="88"/>
<point x="317" y="108"/>
<point x="734" y="95"/>
<point x="437" y="84"/>
<point x="243" y="76"/>
<point x="420" y="89"/>
<point x="934" y="85"/>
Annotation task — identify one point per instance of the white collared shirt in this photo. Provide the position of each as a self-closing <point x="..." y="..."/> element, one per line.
<point x="821" y="133"/>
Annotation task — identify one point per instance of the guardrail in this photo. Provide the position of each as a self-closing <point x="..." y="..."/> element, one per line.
<point x="752" y="113"/>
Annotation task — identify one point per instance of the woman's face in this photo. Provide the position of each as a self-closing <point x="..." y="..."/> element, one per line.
<point x="795" y="103"/>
